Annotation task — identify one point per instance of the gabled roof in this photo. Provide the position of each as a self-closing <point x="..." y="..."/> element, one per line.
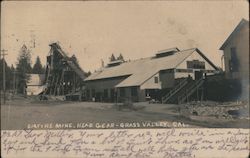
<point x="115" y="62"/>
<point x="154" y="65"/>
<point x="242" y="23"/>
<point x="140" y="70"/>
<point x="175" y="49"/>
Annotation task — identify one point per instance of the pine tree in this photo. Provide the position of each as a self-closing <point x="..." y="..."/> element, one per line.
<point x="87" y="74"/>
<point x="12" y="68"/>
<point x="112" y="58"/>
<point x="23" y="69"/>
<point x="12" y="71"/>
<point x="73" y="58"/>
<point x="38" y="68"/>
<point x="8" y="75"/>
<point x="120" y="57"/>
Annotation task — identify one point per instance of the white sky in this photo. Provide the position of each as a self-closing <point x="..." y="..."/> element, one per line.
<point x="94" y="30"/>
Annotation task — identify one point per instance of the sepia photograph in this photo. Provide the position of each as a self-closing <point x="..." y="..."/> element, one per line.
<point x="95" y="66"/>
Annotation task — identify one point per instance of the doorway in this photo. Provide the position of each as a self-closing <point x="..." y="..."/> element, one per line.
<point x="198" y="75"/>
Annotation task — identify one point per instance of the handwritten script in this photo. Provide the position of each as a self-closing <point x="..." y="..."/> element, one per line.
<point x="142" y="143"/>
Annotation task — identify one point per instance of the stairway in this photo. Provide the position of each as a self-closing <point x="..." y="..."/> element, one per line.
<point x="181" y="92"/>
<point x="175" y="90"/>
<point x="190" y="90"/>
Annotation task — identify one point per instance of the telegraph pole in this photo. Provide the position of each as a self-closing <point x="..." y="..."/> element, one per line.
<point x="0" y="86"/>
<point x="4" y="82"/>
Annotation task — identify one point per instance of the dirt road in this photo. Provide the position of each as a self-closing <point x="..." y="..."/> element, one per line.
<point x="19" y="113"/>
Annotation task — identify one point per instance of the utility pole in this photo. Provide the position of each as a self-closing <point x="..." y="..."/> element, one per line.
<point x="4" y="83"/>
<point x="0" y="86"/>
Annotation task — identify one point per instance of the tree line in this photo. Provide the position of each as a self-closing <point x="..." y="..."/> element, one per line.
<point x="18" y="77"/>
<point x="113" y="58"/>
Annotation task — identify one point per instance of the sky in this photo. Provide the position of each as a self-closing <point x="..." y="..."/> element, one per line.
<point x="93" y="30"/>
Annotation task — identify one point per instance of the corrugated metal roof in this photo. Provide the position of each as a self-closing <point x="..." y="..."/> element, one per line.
<point x="115" y="62"/>
<point x="175" y="49"/>
<point x="126" y="68"/>
<point x="142" y="69"/>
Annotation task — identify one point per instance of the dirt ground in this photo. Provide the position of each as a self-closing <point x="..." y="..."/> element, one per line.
<point x="18" y="113"/>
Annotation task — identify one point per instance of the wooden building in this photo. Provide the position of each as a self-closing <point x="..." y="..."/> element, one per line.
<point x="35" y="85"/>
<point x="63" y="74"/>
<point x="236" y="55"/>
<point x="236" y="51"/>
<point x="153" y="77"/>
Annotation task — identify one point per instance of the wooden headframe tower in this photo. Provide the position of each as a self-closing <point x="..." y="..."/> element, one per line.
<point x="63" y="74"/>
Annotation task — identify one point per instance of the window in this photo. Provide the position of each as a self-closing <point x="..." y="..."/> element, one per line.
<point x="167" y="71"/>
<point x="87" y="93"/>
<point x="112" y="94"/>
<point x="134" y="91"/>
<point x="122" y="92"/>
<point x="105" y="93"/>
<point x="156" y="79"/>
<point x="184" y="70"/>
<point x="93" y="92"/>
<point x="195" y="64"/>
<point x="233" y="63"/>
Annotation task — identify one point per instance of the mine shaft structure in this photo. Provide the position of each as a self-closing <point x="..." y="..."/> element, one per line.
<point x="63" y="74"/>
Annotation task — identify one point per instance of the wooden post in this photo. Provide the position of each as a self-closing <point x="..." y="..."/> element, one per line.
<point x="187" y="95"/>
<point x="197" y="93"/>
<point x="1" y="88"/>
<point x="52" y="85"/>
<point x="4" y="77"/>
<point x="202" y="94"/>
<point x="14" y="82"/>
<point x="74" y="82"/>
<point x="52" y="70"/>
<point x="4" y="82"/>
<point x="116" y="95"/>
<point x="52" y="58"/>
<point x="55" y="88"/>
<point x="61" y="83"/>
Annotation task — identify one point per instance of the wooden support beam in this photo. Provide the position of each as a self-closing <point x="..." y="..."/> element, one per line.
<point x="56" y="84"/>
<point x="61" y="83"/>
<point x="52" y="85"/>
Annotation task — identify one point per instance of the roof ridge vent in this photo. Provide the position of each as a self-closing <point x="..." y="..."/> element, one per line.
<point x="115" y="63"/>
<point x="166" y="52"/>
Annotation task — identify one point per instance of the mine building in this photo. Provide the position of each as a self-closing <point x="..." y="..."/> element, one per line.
<point x="236" y="56"/>
<point x="63" y="76"/>
<point x="170" y="76"/>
